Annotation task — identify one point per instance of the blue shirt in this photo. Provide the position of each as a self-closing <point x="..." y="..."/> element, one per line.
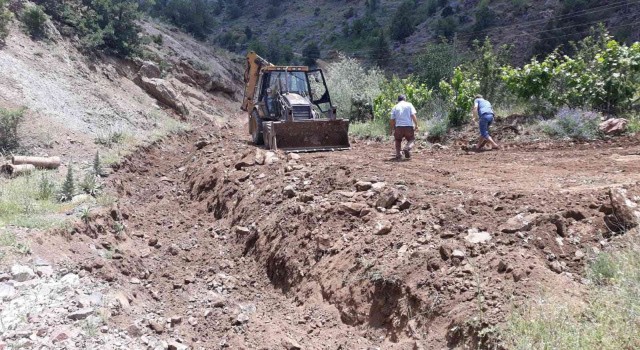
<point x="484" y="107"/>
<point x="402" y="112"/>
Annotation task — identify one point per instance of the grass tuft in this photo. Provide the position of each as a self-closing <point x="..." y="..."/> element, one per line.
<point x="24" y="201"/>
<point x="609" y="318"/>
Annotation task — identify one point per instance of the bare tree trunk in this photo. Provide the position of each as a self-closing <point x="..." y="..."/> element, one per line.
<point x="38" y="162"/>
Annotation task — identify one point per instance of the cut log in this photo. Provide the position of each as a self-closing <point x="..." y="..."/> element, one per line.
<point x="38" y="162"/>
<point x="17" y="170"/>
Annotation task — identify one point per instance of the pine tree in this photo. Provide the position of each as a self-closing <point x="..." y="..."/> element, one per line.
<point x="381" y="52"/>
<point x="97" y="167"/>
<point x="68" y="187"/>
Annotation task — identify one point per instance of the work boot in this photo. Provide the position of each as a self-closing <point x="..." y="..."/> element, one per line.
<point x="407" y="154"/>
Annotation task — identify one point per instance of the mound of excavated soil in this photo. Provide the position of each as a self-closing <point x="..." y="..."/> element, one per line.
<point x="226" y="245"/>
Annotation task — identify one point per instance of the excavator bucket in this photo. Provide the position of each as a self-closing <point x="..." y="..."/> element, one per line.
<point x="307" y="135"/>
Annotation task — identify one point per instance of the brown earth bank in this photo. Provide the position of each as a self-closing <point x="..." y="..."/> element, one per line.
<point x="215" y="243"/>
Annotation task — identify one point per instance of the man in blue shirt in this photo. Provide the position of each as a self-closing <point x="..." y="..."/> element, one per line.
<point x="404" y="123"/>
<point x="483" y="113"/>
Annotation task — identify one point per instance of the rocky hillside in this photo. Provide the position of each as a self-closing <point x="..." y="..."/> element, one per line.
<point x="75" y="104"/>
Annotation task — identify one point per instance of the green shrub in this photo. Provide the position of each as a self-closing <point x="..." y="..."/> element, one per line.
<point x="89" y="184"/>
<point x="402" y="24"/>
<point x="68" y="187"/>
<point x="418" y="94"/>
<point x="634" y="123"/>
<point x="437" y="128"/>
<point x="111" y="26"/>
<point x="349" y="81"/>
<point x="603" y="75"/>
<point x="459" y="94"/>
<point x="9" y="122"/>
<point x="97" y="164"/>
<point x="311" y="53"/>
<point x="437" y="120"/>
<point x="486" y="63"/>
<point x="445" y="27"/>
<point x="436" y="63"/>
<point x="573" y="124"/>
<point x="35" y="21"/>
<point x="46" y="188"/>
<point x="157" y="39"/>
<point x="5" y="18"/>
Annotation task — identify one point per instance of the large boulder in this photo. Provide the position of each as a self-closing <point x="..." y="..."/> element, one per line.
<point x="387" y="199"/>
<point x="614" y="126"/>
<point x="149" y="70"/>
<point x="520" y="222"/>
<point x="211" y="82"/>
<point x="163" y="92"/>
<point x="626" y="213"/>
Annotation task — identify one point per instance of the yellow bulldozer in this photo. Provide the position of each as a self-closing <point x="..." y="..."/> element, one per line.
<point x="290" y="108"/>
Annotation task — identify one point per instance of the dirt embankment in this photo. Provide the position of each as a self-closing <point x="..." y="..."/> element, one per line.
<point x="351" y="250"/>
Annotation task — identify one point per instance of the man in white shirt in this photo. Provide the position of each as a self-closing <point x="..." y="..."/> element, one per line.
<point x="404" y="124"/>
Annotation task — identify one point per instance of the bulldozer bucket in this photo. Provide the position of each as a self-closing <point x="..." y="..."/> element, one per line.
<point x="307" y="135"/>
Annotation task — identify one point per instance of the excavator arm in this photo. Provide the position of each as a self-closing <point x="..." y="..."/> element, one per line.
<point x="251" y="76"/>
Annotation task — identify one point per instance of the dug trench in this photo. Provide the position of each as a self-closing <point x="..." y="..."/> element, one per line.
<point x="217" y="243"/>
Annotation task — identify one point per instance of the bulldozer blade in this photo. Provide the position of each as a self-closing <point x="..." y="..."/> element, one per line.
<point x="307" y="135"/>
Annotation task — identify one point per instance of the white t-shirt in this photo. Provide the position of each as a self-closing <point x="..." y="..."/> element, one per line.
<point x="402" y="112"/>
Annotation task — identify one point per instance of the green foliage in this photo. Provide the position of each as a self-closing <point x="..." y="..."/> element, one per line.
<point x="9" y="121"/>
<point x="485" y="17"/>
<point x="311" y="53"/>
<point x="573" y="124"/>
<point x="417" y="93"/>
<point x="278" y="53"/>
<point x="437" y="128"/>
<point x="402" y="24"/>
<point x="103" y="25"/>
<point x="157" y="39"/>
<point x="634" y="124"/>
<point x="349" y="81"/>
<point x="5" y="18"/>
<point x="380" y="51"/>
<point x="445" y="27"/>
<point x="374" y="129"/>
<point x="35" y="21"/>
<point x="46" y="188"/>
<point x="606" y="79"/>
<point x="608" y="319"/>
<point x="89" y="184"/>
<point x="112" y="26"/>
<point x="68" y="186"/>
<point x="194" y="16"/>
<point x="97" y="165"/>
<point x="436" y="63"/>
<point x="486" y="63"/>
<point x="460" y="95"/>
<point x="22" y="203"/>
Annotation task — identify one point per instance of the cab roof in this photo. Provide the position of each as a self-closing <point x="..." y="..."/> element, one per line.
<point x="286" y="68"/>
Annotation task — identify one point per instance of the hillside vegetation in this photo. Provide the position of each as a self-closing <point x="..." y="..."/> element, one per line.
<point x="383" y="32"/>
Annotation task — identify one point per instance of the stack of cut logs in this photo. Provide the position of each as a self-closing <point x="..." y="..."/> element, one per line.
<point x="21" y="165"/>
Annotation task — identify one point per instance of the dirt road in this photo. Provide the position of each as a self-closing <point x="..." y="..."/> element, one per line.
<point x="350" y="250"/>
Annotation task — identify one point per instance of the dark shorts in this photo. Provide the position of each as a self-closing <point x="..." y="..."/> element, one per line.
<point x="403" y="132"/>
<point x="485" y="123"/>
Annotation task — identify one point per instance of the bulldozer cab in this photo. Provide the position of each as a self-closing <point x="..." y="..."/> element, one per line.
<point x="310" y="85"/>
<point x="290" y="108"/>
